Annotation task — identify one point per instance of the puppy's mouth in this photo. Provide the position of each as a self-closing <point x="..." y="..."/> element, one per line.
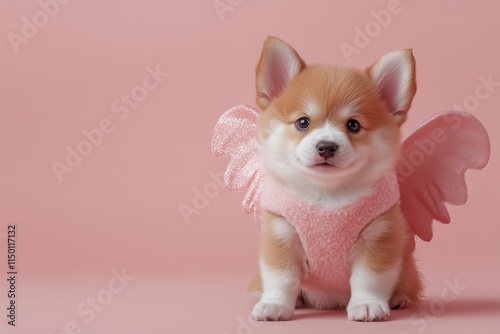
<point x="324" y="166"/>
<point x="330" y="167"/>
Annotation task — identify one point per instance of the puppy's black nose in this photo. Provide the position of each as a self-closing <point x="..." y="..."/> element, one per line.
<point x="326" y="149"/>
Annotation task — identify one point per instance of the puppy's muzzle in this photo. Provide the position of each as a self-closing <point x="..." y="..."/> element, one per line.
<point x="326" y="149"/>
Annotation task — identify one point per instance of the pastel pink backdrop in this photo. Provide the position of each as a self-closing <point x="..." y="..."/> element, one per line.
<point x="120" y="206"/>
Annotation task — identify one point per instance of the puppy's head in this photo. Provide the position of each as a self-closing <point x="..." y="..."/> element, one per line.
<point x="329" y="126"/>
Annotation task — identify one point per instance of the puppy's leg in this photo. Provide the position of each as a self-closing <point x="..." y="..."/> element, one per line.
<point x="376" y="266"/>
<point x="281" y="268"/>
<point x="409" y="287"/>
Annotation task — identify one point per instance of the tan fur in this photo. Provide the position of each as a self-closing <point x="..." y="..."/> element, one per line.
<point x="410" y="281"/>
<point x="395" y="244"/>
<point x="387" y="248"/>
<point x="277" y="252"/>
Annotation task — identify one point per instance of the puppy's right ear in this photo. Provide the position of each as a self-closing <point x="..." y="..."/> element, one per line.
<point x="278" y="64"/>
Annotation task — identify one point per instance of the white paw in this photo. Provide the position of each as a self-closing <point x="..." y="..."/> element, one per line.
<point x="264" y="311"/>
<point x="368" y="310"/>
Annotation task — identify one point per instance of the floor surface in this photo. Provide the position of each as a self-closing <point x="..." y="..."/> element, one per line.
<point x="219" y="305"/>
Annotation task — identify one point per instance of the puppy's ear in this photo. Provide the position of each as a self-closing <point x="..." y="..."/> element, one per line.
<point x="394" y="77"/>
<point x="278" y="64"/>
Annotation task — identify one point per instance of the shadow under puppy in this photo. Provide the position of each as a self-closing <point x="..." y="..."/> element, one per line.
<point x="333" y="232"/>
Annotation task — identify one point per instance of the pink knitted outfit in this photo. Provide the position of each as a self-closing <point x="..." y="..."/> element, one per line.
<point x="328" y="235"/>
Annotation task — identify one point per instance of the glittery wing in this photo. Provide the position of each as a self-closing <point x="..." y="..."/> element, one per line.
<point x="235" y="135"/>
<point x="432" y="165"/>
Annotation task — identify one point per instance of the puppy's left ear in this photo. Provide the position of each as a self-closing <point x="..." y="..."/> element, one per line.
<point x="394" y="77"/>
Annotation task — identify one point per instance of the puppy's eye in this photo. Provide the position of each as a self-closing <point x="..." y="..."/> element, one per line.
<point x="353" y="126"/>
<point x="302" y="123"/>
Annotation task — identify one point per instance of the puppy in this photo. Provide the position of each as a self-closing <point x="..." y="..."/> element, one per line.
<point x="333" y="233"/>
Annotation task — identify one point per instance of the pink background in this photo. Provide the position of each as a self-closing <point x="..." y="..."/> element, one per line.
<point x="120" y="207"/>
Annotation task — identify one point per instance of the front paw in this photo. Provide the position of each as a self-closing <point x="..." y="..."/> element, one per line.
<point x="264" y="311"/>
<point x="368" y="310"/>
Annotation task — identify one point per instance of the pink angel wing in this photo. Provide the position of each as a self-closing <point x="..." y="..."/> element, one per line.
<point x="432" y="165"/>
<point x="235" y="135"/>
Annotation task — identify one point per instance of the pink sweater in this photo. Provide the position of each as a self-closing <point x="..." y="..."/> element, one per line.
<point x="328" y="235"/>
